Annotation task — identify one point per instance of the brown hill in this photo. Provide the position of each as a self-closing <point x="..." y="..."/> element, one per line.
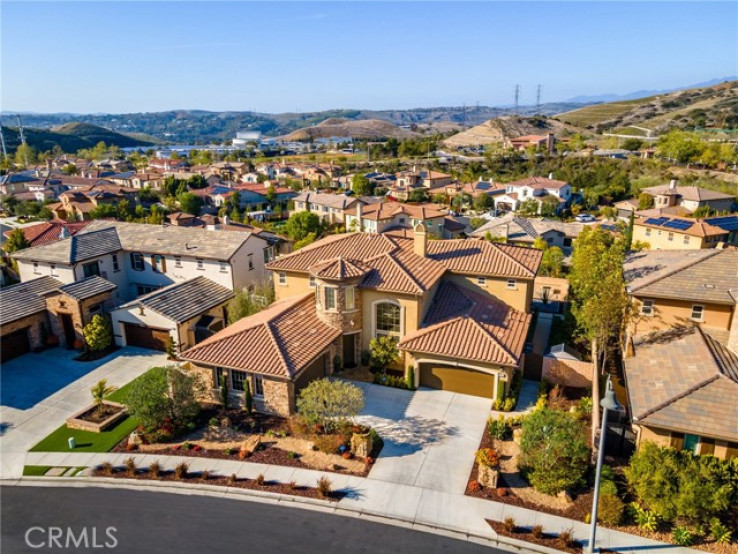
<point x="346" y="128"/>
<point x="501" y="129"/>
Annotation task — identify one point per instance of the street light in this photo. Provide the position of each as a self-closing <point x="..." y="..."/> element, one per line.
<point x="609" y="402"/>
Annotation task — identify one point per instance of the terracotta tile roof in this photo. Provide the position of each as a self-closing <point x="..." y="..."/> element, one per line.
<point x="388" y="210"/>
<point x="280" y="341"/>
<point x="682" y="379"/>
<point x="476" y="257"/>
<point x="49" y="231"/>
<point x="696" y="194"/>
<point x="339" y="268"/>
<point x="708" y="275"/>
<point x="464" y="325"/>
<point x="538" y="183"/>
<point x="402" y="271"/>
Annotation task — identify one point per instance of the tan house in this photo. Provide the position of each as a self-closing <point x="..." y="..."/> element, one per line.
<point x="458" y="310"/>
<point x="328" y="207"/>
<point x="383" y="216"/>
<point x="689" y="198"/>
<point x="677" y="233"/>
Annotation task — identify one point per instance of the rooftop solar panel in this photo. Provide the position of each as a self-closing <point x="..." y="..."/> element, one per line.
<point x="678" y="224"/>
<point x="727" y="223"/>
<point x="656" y="220"/>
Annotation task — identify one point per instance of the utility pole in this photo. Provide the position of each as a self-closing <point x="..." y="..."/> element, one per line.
<point x="517" y="98"/>
<point x="23" y="139"/>
<point x="538" y="98"/>
<point x="2" y="141"/>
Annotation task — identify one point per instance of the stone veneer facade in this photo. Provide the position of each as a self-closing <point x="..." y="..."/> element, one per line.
<point x="348" y="321"/>
<point x="35" y="323"/>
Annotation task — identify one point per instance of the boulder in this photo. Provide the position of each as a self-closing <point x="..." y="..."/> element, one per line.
<point x="135" y="439"/>
<point x="251" y="443"/>
<point x="487" y="476"/>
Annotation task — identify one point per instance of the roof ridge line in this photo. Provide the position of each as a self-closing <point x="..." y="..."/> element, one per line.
<point x="494" y="339"/>
<point x="406" y="272"/>
<point x="270" y="332"/>
<point x="712" y="252"/>
<point x="687" y="392"/>
<point x="521" y="264"/>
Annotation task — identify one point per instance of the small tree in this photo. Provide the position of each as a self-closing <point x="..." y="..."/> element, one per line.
<point x="329" y="403"/>
<point x="224" y="392"/>
<point x="99" y="392"/>
<point x="628" y="238"/>
<point x="301" y="224"/>
<point x="554" y="451"/>
<point x="410" y="378"/>
<point x="16" y="241"/>
<point x="645" y="201"/>
<point x="384" y="351"/>
<point x="248" y="399"/>
<point x="98" y="334"/>
<point x="171" y="347"/>
<point x="483" y="202"/>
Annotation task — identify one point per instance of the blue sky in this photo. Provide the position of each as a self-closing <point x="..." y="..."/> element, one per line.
<point x="272" y="57"/>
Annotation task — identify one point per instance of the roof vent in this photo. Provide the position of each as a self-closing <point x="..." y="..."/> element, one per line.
<point x="692" y="368"/>
<point x="658" y="383"/>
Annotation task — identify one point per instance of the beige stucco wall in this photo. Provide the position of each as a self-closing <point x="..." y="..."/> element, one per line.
<point x="520" y="298"/>
<point x="559" y="288"/>
<point x="659" y="239"/>
<point x="148" y="318"/>
<point x="297" y="284"/>
<point x="670" y="313"/>
<point x="411" y="309"/>
<point x="663" y="437"/>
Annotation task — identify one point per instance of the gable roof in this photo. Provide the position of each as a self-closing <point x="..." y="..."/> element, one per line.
<point x="538" y="183"/>
<point x="337" y="201"/>
<point x="685" y="380"/>
<point x="281" y="340"/>
<point x="183" y="301"/>
<point x="24" y="299"/>
<point x="464" y="325"/>
<point x="480" y="257"/>
<point x="697" y="194"/>
<point x="49" y="231"/>
<point x="87" y="288"/>
<point x="708" y="275"/>
<point x="388" y="210"/>
<point x="87" y="243"/>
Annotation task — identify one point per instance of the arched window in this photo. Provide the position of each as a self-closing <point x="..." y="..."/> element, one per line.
<point x="387" y="317"/>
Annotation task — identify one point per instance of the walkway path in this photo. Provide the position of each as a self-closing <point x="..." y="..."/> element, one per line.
<point x="542" y="332"/>
<point x="412" y="504"/>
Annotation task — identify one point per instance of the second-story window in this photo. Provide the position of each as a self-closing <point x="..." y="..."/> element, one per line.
<point x="482" y="281"/>
<point x="686" y="239"/>
<point x="251" y="262"/>
<point x="116" y="264"/>
<point x="647" y="307"/>
<point x="137" y="261"/>
<point x="93" y="268"/>
<point x="330" y="298"/>
<point x="671" y="236"/>
<point x="350" y="298"/>
<point x="283" y="278"/>
<point x="53" y="270"/>
<point x="224" y="267"/>
<point x="158" y="263"/>
<point x="698" y="312"/>
<point x="311" y="282"/>
<point x="35" y="267"/>
<point x="512" y="284"/>
<point x="177" y="261"/>
<point x="200" y="264"/>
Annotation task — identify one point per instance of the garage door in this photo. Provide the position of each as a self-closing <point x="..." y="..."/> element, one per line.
<point x="455" y="379"/>
<point x="15" y="344"/>
<point x="146" y="337"/>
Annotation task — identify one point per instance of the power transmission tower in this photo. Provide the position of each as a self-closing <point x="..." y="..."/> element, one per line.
<point x="517" y="98"/>
<point x="23" y="139"/>
<point x="538" y="98"/>
<point x="2" y="141"/>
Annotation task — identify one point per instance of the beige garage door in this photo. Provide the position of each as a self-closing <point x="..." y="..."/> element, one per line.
<point x="456" y="379"/>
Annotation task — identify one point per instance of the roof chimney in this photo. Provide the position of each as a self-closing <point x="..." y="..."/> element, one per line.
<point x="226" y="220"/>
<point x="420" y="240"/>
<point x="359" y="225"/>
<point x="64" y="233"/>
<point x="672" y="184"/>
<point x="551" y="175"/>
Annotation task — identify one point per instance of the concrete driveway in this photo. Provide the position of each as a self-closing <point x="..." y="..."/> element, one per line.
<point x="41" y="390"/>
<point x="430" y="436"/>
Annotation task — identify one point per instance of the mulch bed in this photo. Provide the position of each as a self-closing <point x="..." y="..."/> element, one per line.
<point x="92" y="356"/>
<point x="217" y="480"/>
<point x="546" y="539"/>
<point x="96" y="415"/>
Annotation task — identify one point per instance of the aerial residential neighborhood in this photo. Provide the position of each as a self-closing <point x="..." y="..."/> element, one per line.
<point x="296" y="288"/>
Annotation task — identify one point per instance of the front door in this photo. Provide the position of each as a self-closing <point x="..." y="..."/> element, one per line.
<point x="68" y="326"/>
<point x="349" y="350"/>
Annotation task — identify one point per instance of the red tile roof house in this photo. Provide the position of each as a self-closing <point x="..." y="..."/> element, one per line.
<point x="458" y="309"/>
<point x="533" y="188"/>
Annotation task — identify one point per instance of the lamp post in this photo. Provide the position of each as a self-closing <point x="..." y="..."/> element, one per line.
<point x="609" y="402"/>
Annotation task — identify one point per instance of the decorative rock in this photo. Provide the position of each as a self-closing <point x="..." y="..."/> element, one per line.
<point x="487" y="476"/>
<point x="135" y="438"/>
<point x="361" y="444"/>
<point x="564" y="495"/>
<point x="517" y="434"/>
<point x="225" y="422"/>
<point x="251" y="443"/>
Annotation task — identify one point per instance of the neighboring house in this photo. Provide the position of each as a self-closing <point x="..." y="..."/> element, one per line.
<point x="254" y="195"/>
<point x="50" y="231"/>
<point x="671" y="288"/>
<point x="139" y="259"/>
<point x="458" y="310"/>
<point x="383" y="216"/>
<point x="408" y="181"/>
<point x="329" y="207"/>
<point x="166" y="164"/>
<point x="524" y="231"/>
<point x="682" y="387"/>
<point x="536" y="189"/>
<point x="520" y="144"/>
<point x="676" y="233"/>
<point x="477" y="188"/>
<point x="689" y="197"/>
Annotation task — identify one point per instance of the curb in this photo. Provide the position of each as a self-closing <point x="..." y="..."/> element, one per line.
<point x="324" y="506"/>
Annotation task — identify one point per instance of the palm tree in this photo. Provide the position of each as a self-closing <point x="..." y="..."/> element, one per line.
<point x="99" y="392"/>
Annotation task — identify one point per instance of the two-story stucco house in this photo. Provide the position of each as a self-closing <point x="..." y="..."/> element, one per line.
<point x="383" y="216"/>
<point x="329" y="207"/>
<point x="458" y="310"/>
<point x="536" y="189"/>
<point x="157" y="276"/>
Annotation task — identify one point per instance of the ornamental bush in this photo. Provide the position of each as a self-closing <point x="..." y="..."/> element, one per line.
<point x="98" y="334"/>
<point x="329" y="403"/>
<point x="553" y="450"/>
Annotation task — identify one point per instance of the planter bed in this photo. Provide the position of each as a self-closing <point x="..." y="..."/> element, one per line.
<point x="547" y="540"/>
<point x="93" y="420"/>
<point x="92" y="356"/>
<point x="195" y="478"/>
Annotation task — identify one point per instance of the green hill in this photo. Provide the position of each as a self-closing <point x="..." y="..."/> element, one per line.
<point x="71" y="137"/>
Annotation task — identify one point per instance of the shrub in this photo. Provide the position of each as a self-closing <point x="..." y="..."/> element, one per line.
<point x="646" y="519"/>
<point x="171" y="348"/>
<point x="719" y="532"/>
<point x="164" y="397"/>
<point x="328" y="402"/>
<point x="410" y="379"/>
<point x="509" y="524"/>
<point x="324" y="487"/>
<point x="537" y="531"/>
<point x="390" y="381"/>
<point x="130" y="465"/>
<point x="608" y="487"/>
<point x="231" y="480"/>
<point x="98" y="334"/>
<point x="366" y="357"/>
<point x="293" y="455"/>
<point x="610" y="509"/>
<point x="384" y="351"/>
<point x="328" y="444"/>
<point x="554" y="452"/>
<point x="107" y="468"/>
<point x="228" y="451"/>
<point x="499" y="428"/>
<point x="567" y="536"/>
<point x="154" y="469"/>
<point x="487" y="457"/>
<point x="474" y="486"/>
<point x="585" y="405"/>
<point x="248" y="399"/>
<point x="213" y="422"/>
<point x="205" y="475"/>
<point x="682" y="536"/>
<point x="260" y="479"/>
<point x="556" y="398"/>
<point x="677" y="484"/>
<point x="181" y="471"/>
<point x="224" y="392"/>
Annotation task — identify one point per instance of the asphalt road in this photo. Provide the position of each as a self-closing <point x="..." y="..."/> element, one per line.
<point x="158" y="523"/>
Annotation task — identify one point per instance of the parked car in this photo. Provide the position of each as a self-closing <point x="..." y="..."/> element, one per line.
<point x="585" y="218"/>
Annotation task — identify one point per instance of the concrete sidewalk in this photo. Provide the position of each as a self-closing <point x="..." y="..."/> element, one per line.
<point x="407" y="503"/>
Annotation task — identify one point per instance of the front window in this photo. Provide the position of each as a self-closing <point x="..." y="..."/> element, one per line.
<point x="137" y="261"/>
<point x="237" y="379"/>
<point x="388" y="319"/>
<point x="330" y="298"/>
<point x="158" y="263"/>
<point x="144" y="289"/>
<point x="512" y="284"/>
<point x="251" y="262"/>
<point x="282" y="278"/>
<point x="691" y="443"/>
<point x="647" y="307"/>
<point x="218" y="377"/>
<point x="350" y="298"/>
<point x="698" y="312"/>
<point x="200" y="264"/>
<point x="258" y="385"/>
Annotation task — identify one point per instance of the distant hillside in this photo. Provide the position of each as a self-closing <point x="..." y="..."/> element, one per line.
<point x="496" y="130"/>
<point x="71" y="137"/>
<point x="361" y="129"/>
<point x="714" y="106"/>
<point x="638" y="94"/>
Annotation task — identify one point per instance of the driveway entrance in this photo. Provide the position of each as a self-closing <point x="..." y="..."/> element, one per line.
<point x="430" y="436"/>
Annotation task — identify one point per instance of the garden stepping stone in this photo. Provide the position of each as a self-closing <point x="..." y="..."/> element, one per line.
<point x="55" y="472"/>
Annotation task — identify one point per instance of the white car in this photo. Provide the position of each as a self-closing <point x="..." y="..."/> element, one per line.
<point x="586" y="218"/>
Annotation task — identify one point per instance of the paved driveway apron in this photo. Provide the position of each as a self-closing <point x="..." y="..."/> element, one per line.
<point x="430" y="436"/>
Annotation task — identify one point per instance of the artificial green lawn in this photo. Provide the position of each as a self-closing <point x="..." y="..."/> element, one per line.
<point x="86" y="441"/>
<point x="35" y="470"/>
